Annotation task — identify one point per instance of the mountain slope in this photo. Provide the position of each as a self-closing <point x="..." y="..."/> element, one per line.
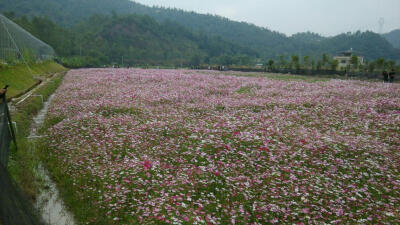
<point x="134" y="39"/>
<point x="70" y="12"/>
<point x="267" y="43"/>
<point x="393" y="37"/>
<point x="141" y="40"/>
<point x="367" y="44"/>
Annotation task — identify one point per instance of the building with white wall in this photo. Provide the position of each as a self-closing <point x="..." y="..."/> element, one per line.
<point x="344" y="59"/>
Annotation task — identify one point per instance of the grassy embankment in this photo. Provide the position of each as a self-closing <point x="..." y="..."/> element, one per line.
<point x="20" y="78"/>
<point x="23" y="161"/>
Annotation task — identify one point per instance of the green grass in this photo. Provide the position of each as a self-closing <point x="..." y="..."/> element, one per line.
<point x="23" y="161"/>
<point x="20" y="79"/>
<point x="283" y="77"/>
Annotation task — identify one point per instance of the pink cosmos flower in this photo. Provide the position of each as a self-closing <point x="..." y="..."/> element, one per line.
<point x="147" y="164"/>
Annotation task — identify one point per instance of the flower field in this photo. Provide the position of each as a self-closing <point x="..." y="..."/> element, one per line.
<point x="140" y="146"/>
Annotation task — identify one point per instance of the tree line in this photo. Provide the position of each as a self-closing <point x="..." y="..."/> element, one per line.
<point x="326" y="62"/>
<point x="137" y="40"/>
<point x="263" y="41"/>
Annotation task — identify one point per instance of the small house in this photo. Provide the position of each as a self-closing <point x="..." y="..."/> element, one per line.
<point x="344" y="59"/>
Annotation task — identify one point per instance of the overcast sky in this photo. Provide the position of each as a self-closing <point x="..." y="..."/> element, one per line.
<point x="326" y="17"/>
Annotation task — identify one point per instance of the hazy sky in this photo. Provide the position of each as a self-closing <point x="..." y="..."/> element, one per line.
<point x="326" y="17"/>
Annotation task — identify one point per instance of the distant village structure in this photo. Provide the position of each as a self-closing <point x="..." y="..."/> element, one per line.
<point x="344" y="59"/>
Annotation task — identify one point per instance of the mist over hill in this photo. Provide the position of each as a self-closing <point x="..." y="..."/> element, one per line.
<point x="393" y="37"/>
<point x="266" y="43"/>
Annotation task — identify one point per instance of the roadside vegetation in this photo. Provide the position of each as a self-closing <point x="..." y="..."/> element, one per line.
<point x="24" y="160"/>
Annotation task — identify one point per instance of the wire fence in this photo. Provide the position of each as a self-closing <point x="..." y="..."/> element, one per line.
<point x="6" y="132"/>
<point x="17" y="44"/>
<point x="14" y="206"/>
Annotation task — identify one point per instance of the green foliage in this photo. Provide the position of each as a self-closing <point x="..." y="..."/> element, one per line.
<point x="29" y="56"/>
<point x="325" y="59"/>
<point x="135" y="40"/>
<point x="20" y="78"/>
<point x="391" y="64"/>
<point x="334" y="64"/>
<point x="295" y="61"/>
<point x="393" y="38"/>
<point x="75" y="62"/>
<point x="283" y="77"/>
<point x="354" y="61"/>
<point x="282" y="61"/>
<point x="380" y="63"/>
<point x="319" y="65"/>
<point x="271" y="64"/>
<point x="371" y="66"/>
<point x="23" y="162"/>
<point x="306" y="61"/>
<point x="266" y="43"/>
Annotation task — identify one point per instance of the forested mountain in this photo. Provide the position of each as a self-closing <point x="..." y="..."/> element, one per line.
<point x="267" y="43"/>
<point x="307" y="37"/>
<point x="133" y="40"/>
<point x="70" y="12"/>
<point x="393" y="37"/>
<point x="367" y="44"/>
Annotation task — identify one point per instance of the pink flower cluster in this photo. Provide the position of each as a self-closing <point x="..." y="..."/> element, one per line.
<point x="200" y="147"/>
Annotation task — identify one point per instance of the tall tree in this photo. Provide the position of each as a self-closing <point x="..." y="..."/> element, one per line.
<point x="391" y="64"/>
<point x="271" y="64"/>
<point x="334" y="64"/>
<point x="380" y="63"/>
<point x="354" y="61"/>
<point x="306" y="61"/>
<point x="325" y="59"/>
<point x="371" y="67"/>
<point x="295" y="61"/>
<point x="282" y="61"/>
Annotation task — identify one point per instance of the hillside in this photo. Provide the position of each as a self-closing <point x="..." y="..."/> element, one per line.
<point x="141" y="40"/>
<point x="367" y="44"/>
<point x="393" y="37"/>
<point x="307" y="38"/>
<point x="134" y="40"/>
<point x="71" y="12"/>
<point x="267" y="43"/>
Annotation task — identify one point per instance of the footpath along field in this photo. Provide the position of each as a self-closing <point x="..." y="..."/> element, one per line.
<point x="133" y="146"/>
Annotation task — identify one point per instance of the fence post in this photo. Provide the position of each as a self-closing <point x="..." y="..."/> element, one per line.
<point x="10" y="122"/>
